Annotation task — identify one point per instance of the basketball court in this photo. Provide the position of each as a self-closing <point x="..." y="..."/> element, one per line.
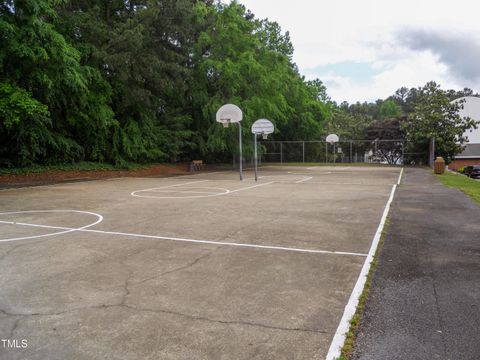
<point x="201" y="266"/>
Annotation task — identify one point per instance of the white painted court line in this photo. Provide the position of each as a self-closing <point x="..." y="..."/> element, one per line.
<point x="250" y="187"/>
<point x="400" y="177"/>
<point x="68" y="230"/>
<point x="167" y="238"/>
<point x="293" y="178"/>
<point x="134" y="193"/>
<point x="192" y="190"/>
<point x="317" y="173"/>
<point x="170" y="186"/>
<point x="273" y="178"/>
<point x="138" y="193"/>
<point x="184" y="192"/>
<point x="304" y="180"/>
<point x="334" y="351"/>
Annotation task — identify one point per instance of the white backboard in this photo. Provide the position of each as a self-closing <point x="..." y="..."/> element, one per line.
<point x="332" y="139"/>
<point x="229" y="113"/>
<point x="262" y="126"/>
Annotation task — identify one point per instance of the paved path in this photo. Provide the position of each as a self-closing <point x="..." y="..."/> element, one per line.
<point x="425" y="298"/>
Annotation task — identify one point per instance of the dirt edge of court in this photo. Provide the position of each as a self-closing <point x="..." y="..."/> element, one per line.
<point x="56" y="176"/>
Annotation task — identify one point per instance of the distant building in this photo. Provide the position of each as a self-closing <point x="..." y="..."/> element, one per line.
<point x="471" y="154"/>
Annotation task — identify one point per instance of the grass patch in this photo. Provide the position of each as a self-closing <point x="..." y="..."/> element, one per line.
<point x="347" y="348"/>
<point x="468" y="186"/>
<point x="80" y="166"/>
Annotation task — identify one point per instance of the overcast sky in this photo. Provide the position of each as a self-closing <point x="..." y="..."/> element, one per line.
<point x="365" y="50"/>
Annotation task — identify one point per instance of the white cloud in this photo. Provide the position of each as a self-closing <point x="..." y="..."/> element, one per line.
<point x="367" y="32"/>
<point x="417" y="70"/>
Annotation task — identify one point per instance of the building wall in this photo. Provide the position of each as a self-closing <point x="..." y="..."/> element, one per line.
<point x="459" y="163"/>
<point x="471" y="109"/>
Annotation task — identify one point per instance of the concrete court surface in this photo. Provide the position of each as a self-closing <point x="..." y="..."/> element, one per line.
<point x="133" y="268"/>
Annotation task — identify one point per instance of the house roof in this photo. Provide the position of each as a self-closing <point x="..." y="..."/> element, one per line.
<point x="471" y="151"/>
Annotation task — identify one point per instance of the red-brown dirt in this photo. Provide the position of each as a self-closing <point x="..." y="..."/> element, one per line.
<point x="59" y="175"/>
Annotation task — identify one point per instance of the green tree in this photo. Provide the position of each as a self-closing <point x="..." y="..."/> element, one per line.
<point x="389" y="109"/>
<point x="388" y="140"/>
<point x="349" y="122"/>
<point x="435" y="116"/>
<point x="244" y="61"/>
<point x="37" y="62"/>
<point x="141" y="80"/>
<point x="143" y="50"/>
<point x="24" y="126"/>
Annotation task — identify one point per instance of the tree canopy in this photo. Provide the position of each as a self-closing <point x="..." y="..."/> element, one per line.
<point x="436" y="116"/>
<point x="140" y="81"/>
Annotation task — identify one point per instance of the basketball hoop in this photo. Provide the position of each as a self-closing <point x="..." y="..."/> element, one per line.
<point x="260" y="127"/>
<point x="332" y="139"/>
<point x="227" y="114"/>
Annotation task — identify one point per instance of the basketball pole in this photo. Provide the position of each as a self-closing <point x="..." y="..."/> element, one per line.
<point x="240" y="146"/>
<point x="227" y="114"/>
<point x="255" y="156"/>
<point x="260" y="127"/>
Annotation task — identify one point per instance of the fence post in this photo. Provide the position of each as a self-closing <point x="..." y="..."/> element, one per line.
<point x="303" y="151"/>
<point x="281" y="152"/>
<point x="351" y="151"/>
<point x="431" y="155"/>
<point x="403" y="152"/>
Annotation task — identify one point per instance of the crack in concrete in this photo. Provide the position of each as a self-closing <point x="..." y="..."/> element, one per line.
<point x="181" y="268"/>
<point x="127" y="283"/>
<point x="129" y="276"/>
<point x="162" y="311"/>
<point x="6" y="313"/>
<point x="123" y="302"/>
<point x="15" y="325"/>
<point x="201" y="318"/>
<point x="126" y="287"/>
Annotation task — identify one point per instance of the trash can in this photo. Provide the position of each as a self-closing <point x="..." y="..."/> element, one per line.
<point x="439" y="165"/>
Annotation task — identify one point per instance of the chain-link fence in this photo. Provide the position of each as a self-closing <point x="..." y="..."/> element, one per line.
<point x="395" y="152"/>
